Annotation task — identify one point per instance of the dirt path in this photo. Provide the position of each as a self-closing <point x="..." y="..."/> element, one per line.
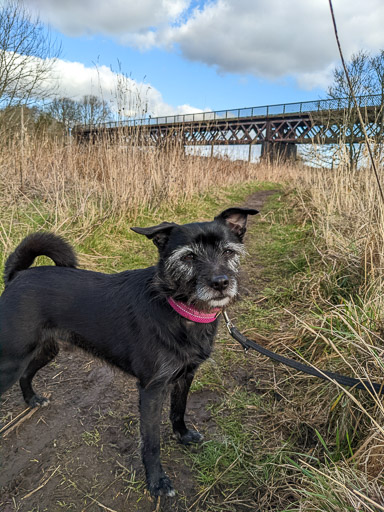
<point x="81" y="453"/>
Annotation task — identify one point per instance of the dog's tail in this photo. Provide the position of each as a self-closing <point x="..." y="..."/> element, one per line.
<point x="39" y="244"/>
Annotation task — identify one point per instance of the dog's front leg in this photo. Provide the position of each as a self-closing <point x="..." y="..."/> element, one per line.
<point x="151" y="402"/>
<point x="179" y="396"/>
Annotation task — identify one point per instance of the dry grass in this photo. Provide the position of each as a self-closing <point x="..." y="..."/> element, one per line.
<point x="339" y="324"/>
<point x="122" y="179"/>
<point x="330" y="312"/>
<point x="335" y="318"/>
<point x="73" y="188"/>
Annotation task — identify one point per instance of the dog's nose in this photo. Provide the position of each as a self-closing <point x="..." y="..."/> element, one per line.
<point x="220" y="283"/>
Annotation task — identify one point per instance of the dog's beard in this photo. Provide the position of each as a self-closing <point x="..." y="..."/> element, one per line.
<point x="197" y="294"/>
<point x="214" y="299"/>
<point x="190" y="283"/>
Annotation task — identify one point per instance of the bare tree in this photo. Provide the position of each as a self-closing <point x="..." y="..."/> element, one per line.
<point x="89" y="110"/>
<point x="27" y="55"/>
<point x="360" y="73"/>
<point x="377" y="65"/>
<point x="66" y="111"/>
<point x="94" y="110"/>
<point x="367" y="77"/>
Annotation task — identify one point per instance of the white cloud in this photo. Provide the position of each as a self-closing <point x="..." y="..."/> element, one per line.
<point x="279" y="38"/>
<point x="313" y="79"/>
<point x="269" y="39"/>
<point x="119" y="18"/>
<point x="123" y="94"/>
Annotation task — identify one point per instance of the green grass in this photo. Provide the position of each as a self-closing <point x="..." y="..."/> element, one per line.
<point x="271" y="431"/>
<point x="106" y="243"/>
<point x="254" y="453"/>
<point x="91" y="438"/>
<point x="235" y="457"/>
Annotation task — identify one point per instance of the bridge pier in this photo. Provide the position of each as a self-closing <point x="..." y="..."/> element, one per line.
<point x="250" y="146"/>
<point x="275" y="152"/>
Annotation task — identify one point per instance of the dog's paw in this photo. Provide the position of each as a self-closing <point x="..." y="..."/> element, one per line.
<point x="162" y="487"/>
<point x="38" y="401"/>
<point x="191" y="437"/>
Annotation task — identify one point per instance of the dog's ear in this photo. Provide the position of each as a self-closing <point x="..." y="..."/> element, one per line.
<point x="158" y="234"/>
<point x="236" y="219"/>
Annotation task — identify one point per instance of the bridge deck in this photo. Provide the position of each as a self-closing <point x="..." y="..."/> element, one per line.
<point x="322" y="121"/>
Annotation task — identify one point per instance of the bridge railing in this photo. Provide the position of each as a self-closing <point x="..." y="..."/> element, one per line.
<point x="372" y="100"/>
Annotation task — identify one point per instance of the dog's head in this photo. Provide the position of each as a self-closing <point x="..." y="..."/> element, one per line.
<point x="199" y="262"/>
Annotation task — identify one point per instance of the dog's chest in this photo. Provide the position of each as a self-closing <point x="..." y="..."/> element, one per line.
<point x="198" y="341"/>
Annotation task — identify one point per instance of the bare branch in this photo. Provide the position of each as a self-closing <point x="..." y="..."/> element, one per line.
<point x="27" y="54"/>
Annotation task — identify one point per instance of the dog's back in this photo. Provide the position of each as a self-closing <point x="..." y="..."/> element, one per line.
<point x="120" y="318"/>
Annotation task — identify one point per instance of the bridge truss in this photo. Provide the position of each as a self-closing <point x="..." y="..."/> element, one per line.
<point x="278" y="128"/>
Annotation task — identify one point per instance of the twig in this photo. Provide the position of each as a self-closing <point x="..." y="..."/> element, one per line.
<point x="6" y="427"/>
<point x="20" y="418"/>
<point x="341" y="484"/>
<point x="101" y="493"/>
<point x="42" y="485"/>
<point x="16" y="422"/>
<point x="355" y="102"/>
<point x="205" y="491"/>
<point x="86" y="495"/>
<point x="101" y="505"/>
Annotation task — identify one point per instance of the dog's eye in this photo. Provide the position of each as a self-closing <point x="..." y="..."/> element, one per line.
<point x="228" y="252"/>
<point x="189" y="257"/>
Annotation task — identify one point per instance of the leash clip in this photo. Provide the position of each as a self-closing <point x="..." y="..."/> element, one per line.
<point x="228" y="323"/>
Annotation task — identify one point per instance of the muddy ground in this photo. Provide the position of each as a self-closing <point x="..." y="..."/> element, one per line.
<point x="81" y="453"/>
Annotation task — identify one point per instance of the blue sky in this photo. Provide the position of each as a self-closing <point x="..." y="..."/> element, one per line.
<point x="184" y="82"/>
<point x="206" y="55"/>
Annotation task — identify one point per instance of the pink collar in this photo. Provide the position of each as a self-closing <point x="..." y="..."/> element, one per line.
<point x="193" y="314"/>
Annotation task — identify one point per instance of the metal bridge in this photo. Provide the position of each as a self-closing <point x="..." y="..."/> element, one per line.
<point x="278" y="128"/>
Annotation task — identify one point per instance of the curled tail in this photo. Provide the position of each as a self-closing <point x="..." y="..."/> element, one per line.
<point x="39" y="244"/>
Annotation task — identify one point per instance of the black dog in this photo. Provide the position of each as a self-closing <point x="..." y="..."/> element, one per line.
<point x="157" y="324"/>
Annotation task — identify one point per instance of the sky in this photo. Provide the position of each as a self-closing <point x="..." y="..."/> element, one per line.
<point x="182" y="56"/>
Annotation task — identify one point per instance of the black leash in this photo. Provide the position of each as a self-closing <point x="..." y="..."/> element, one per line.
<point x="371" y="387"/>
